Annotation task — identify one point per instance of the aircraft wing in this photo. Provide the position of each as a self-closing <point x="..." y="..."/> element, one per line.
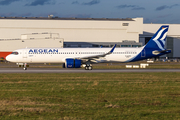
<point x="97" y="56"/>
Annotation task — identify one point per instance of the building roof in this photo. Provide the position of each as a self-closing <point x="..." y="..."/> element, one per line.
<point x="59" y="18"/>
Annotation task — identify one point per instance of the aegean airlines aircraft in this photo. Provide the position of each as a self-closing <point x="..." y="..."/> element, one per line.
<point x="85" y="57"/>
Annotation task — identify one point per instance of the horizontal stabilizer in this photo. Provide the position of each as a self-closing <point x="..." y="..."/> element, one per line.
<point x="162" y="51"/>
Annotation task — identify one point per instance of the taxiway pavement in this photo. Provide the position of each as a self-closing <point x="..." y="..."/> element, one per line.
<point x="59" y="70"/>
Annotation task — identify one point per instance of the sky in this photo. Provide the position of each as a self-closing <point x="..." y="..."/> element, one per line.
<point x="153" y="11"/>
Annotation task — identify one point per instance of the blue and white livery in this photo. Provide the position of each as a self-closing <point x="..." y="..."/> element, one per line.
<point x="78" y="57"/>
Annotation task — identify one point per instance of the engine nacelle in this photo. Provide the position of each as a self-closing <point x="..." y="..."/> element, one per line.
<point x="73" y="63"/>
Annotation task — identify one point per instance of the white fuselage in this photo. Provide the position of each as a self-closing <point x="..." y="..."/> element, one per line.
<point x="59" y="55"/>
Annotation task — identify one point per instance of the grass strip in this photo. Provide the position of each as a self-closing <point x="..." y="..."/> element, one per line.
<point x="91" y="96"/>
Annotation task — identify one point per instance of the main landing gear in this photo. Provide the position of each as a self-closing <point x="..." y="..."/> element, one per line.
<point x="88" y="67"/>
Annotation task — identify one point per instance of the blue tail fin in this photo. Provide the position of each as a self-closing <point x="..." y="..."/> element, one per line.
<point x="159" y="39"/>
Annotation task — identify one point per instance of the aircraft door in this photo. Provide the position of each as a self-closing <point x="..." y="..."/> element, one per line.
<point x="25" y="53"/>
<point x="143" y="53"/>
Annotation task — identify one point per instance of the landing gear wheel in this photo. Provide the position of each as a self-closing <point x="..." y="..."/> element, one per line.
<point x="25" y="68"/>
<point x="88" y="68"/>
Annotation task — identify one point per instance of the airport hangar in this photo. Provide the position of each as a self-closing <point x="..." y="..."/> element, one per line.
<point x="22" y="32"/>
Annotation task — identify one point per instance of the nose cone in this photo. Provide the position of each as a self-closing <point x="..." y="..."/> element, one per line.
<point x="9" y="58"/>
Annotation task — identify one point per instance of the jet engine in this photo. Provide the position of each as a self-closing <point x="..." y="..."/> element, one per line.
<point x="73" y="63"/>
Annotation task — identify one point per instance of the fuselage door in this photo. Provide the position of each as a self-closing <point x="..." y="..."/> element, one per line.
<point x="143" y="53"/>
<point x="25" y="53"/>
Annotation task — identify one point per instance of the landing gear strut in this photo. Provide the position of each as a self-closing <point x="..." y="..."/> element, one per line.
<point x="25" y="66"/>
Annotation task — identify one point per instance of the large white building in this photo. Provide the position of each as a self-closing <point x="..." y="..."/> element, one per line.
<point x="75" y="30"/>
<point x="37" y="32"/>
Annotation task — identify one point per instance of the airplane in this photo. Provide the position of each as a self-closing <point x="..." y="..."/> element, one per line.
<point x="85" y="57"/>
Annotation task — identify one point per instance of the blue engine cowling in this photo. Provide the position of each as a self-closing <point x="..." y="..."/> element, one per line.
<point x="73" y="63"/>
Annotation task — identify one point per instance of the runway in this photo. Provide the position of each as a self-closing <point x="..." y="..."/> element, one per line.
<point x="59" y="70"/>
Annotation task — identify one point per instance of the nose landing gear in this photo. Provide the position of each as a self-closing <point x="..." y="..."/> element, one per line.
<point x="24" y="68"/>
<point x="24" y="65"/>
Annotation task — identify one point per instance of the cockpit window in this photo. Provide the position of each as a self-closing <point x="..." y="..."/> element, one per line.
<point x="15" y="53"/>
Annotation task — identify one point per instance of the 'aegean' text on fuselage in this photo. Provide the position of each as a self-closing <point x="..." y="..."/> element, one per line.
<point x="43" y="51"/>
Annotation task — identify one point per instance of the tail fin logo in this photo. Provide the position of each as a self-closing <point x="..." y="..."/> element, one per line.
<point x="160" y="38"/>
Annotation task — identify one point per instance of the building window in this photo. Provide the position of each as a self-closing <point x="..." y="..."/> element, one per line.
<point x="136" y="45"/>
<point x="147" y="40"/>
<point x="125" y="24"/>
<point x="125" y="45"/>
<point x="95" y="45"/>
